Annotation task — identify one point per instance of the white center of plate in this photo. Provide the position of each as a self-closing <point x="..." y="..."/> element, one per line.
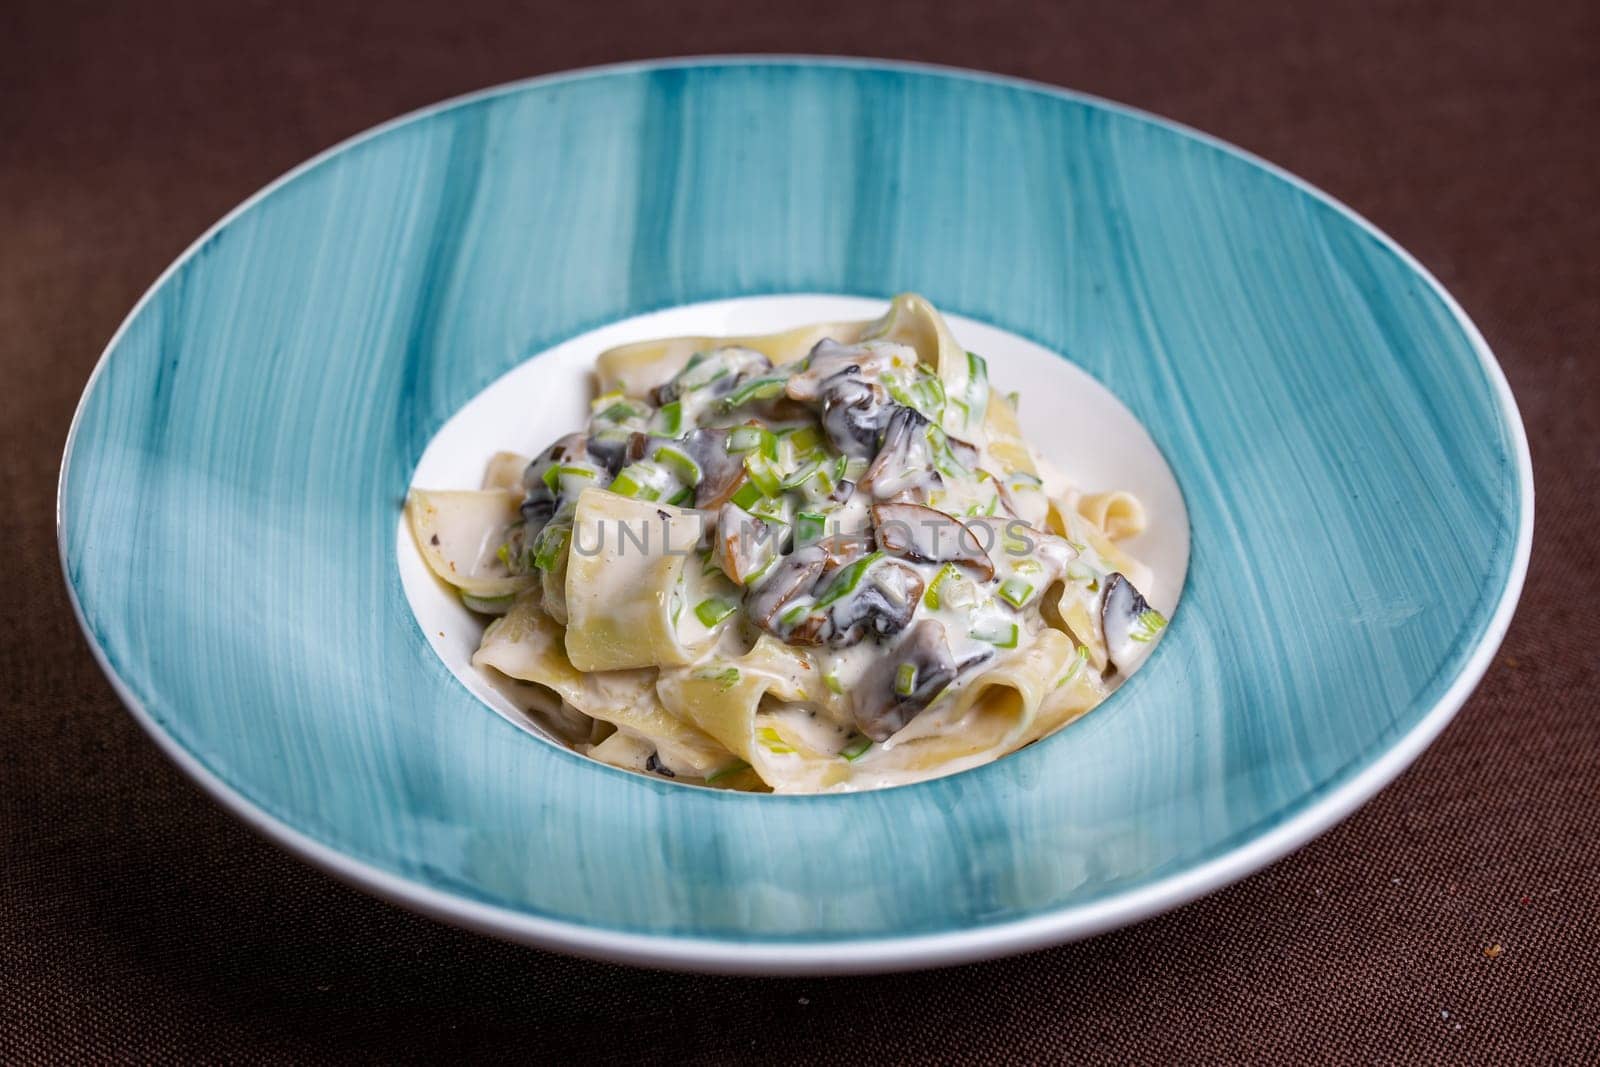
<point x="1092" y="438"/>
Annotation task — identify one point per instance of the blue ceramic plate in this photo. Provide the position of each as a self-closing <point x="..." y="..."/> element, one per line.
<point x="1357" y="482"/>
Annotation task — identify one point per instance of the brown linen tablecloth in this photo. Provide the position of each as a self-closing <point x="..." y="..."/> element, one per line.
<point x="1456" y="918"/>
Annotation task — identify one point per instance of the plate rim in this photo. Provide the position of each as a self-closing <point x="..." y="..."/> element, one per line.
<point x="846" y="955"/>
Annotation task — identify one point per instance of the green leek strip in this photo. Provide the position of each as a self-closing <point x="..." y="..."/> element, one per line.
<point x="759" y="389"/>
<point x="552" y="477"/>
<point x="606" y="400"/>
<point x="731" y="769"/>
<point x="804" y="439"/>
<point x="801" y="477"/>
<point x="672" y="418"/>
<point x="487" y="605"/>
<point x="844" y="583"/>
<point x="551" y="546"/>
<point x="1016" y="592"/>
<point x="748" y="496"/>
<point x="642" y="481"/>
<point x="977" y="388"/>
<point x="714" y="609"/>
<point x="831" y="680"/>
<point x="1078" y="661"/>
<point x="726" y="678"/>
<point x="1015" y="400"/>
<point x="753" y="439"/>
<point x="794" y="614"/>
<point x="905" y="679"/>
<point x="1149" y="623"/>
<point x="856" y="747"/>
<point x="1079" y="572"/>
<point x="681" y="463"/>
<point x="619" y="412"/>
<point x="999" y="634"/>
<point x="808" y="527"/>
<point x="1026" y="566"/>
<point x="773" y="741"/>
<point x="763" y="474"/>
<point x="681" y="497"/>
<point x="931" y="597"/>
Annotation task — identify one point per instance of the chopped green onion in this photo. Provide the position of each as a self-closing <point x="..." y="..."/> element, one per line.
<point x="856" y="747"/>
<point x="1149" y="623"/>
<point x="681" y="497"/>
<point x="905" y="679"/>
<point x="804" y="439"/>
<point x="1077" y="665"/>
<point x="503" y="554"/>
<point x="763" y="474"/>
<point x="551" y="546"/>
<point x="809" y="527"/>
<point x="753" y="439"/>
<point x="795" y="614"/>
<point x="748" y="496"/>
<point x="714" y="610"/>
<point x="977" y="388"/>
<point x="1079" y="572"/>
<point x="606" y="400"/>
<point x="672" y="418"/>
<point x="801" y="476"/>
<point x="931" y="597"/>
<point x="844" y="583"/>
<point x="758" y="389"/>
<point x="999" y="634"/>
<point x="619" y="412"/>
<point x="552" y="476"/>
<point x="1016" y="592"/>
<point x="773" y="741"/>
<point x="831" y="680"/>
<point x="726" y="678"/>
<point x="682" y="464"/>
<point x="1026" y="566"/>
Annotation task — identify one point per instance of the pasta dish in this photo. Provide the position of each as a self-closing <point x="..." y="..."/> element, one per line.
<point x="817" y="560"/>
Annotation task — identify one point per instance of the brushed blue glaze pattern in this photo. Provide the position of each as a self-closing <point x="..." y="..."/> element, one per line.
<point x="230" y="498"/>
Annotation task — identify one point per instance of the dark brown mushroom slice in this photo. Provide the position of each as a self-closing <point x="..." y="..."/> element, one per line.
<point x="1123" y="610"/>
<point x="903" y="468"/>
<point x="927" y="535"/>
<point x="720" y="473"/>
<point x="829" y="359"/>
<point x="854" y="413"/>
<point x="879" y="707"/>
<point x="743" y="545"/>
<point x="881" y="605"/>
<point x="539" y="501"/>
<point x="791" y="576"/>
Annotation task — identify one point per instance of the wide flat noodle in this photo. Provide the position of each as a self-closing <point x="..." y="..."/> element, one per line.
<point x="459" y="533"/>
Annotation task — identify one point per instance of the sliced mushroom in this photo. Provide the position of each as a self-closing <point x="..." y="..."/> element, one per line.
<point x="1128" y="623"/>
<point x="882" y="604"/>
<point x="829" y="359"/>
<point x="879" y="706"/>
<point x="720" y="473"/>
<point x="903" y="469"/>
<point x="723" y="366"/>
<point x="743" y="544"/>
<point x="539" y="500"/>
<point x="926" y="535"/>
<point x="854" y="413"/>
<point x="791" y="576"/>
